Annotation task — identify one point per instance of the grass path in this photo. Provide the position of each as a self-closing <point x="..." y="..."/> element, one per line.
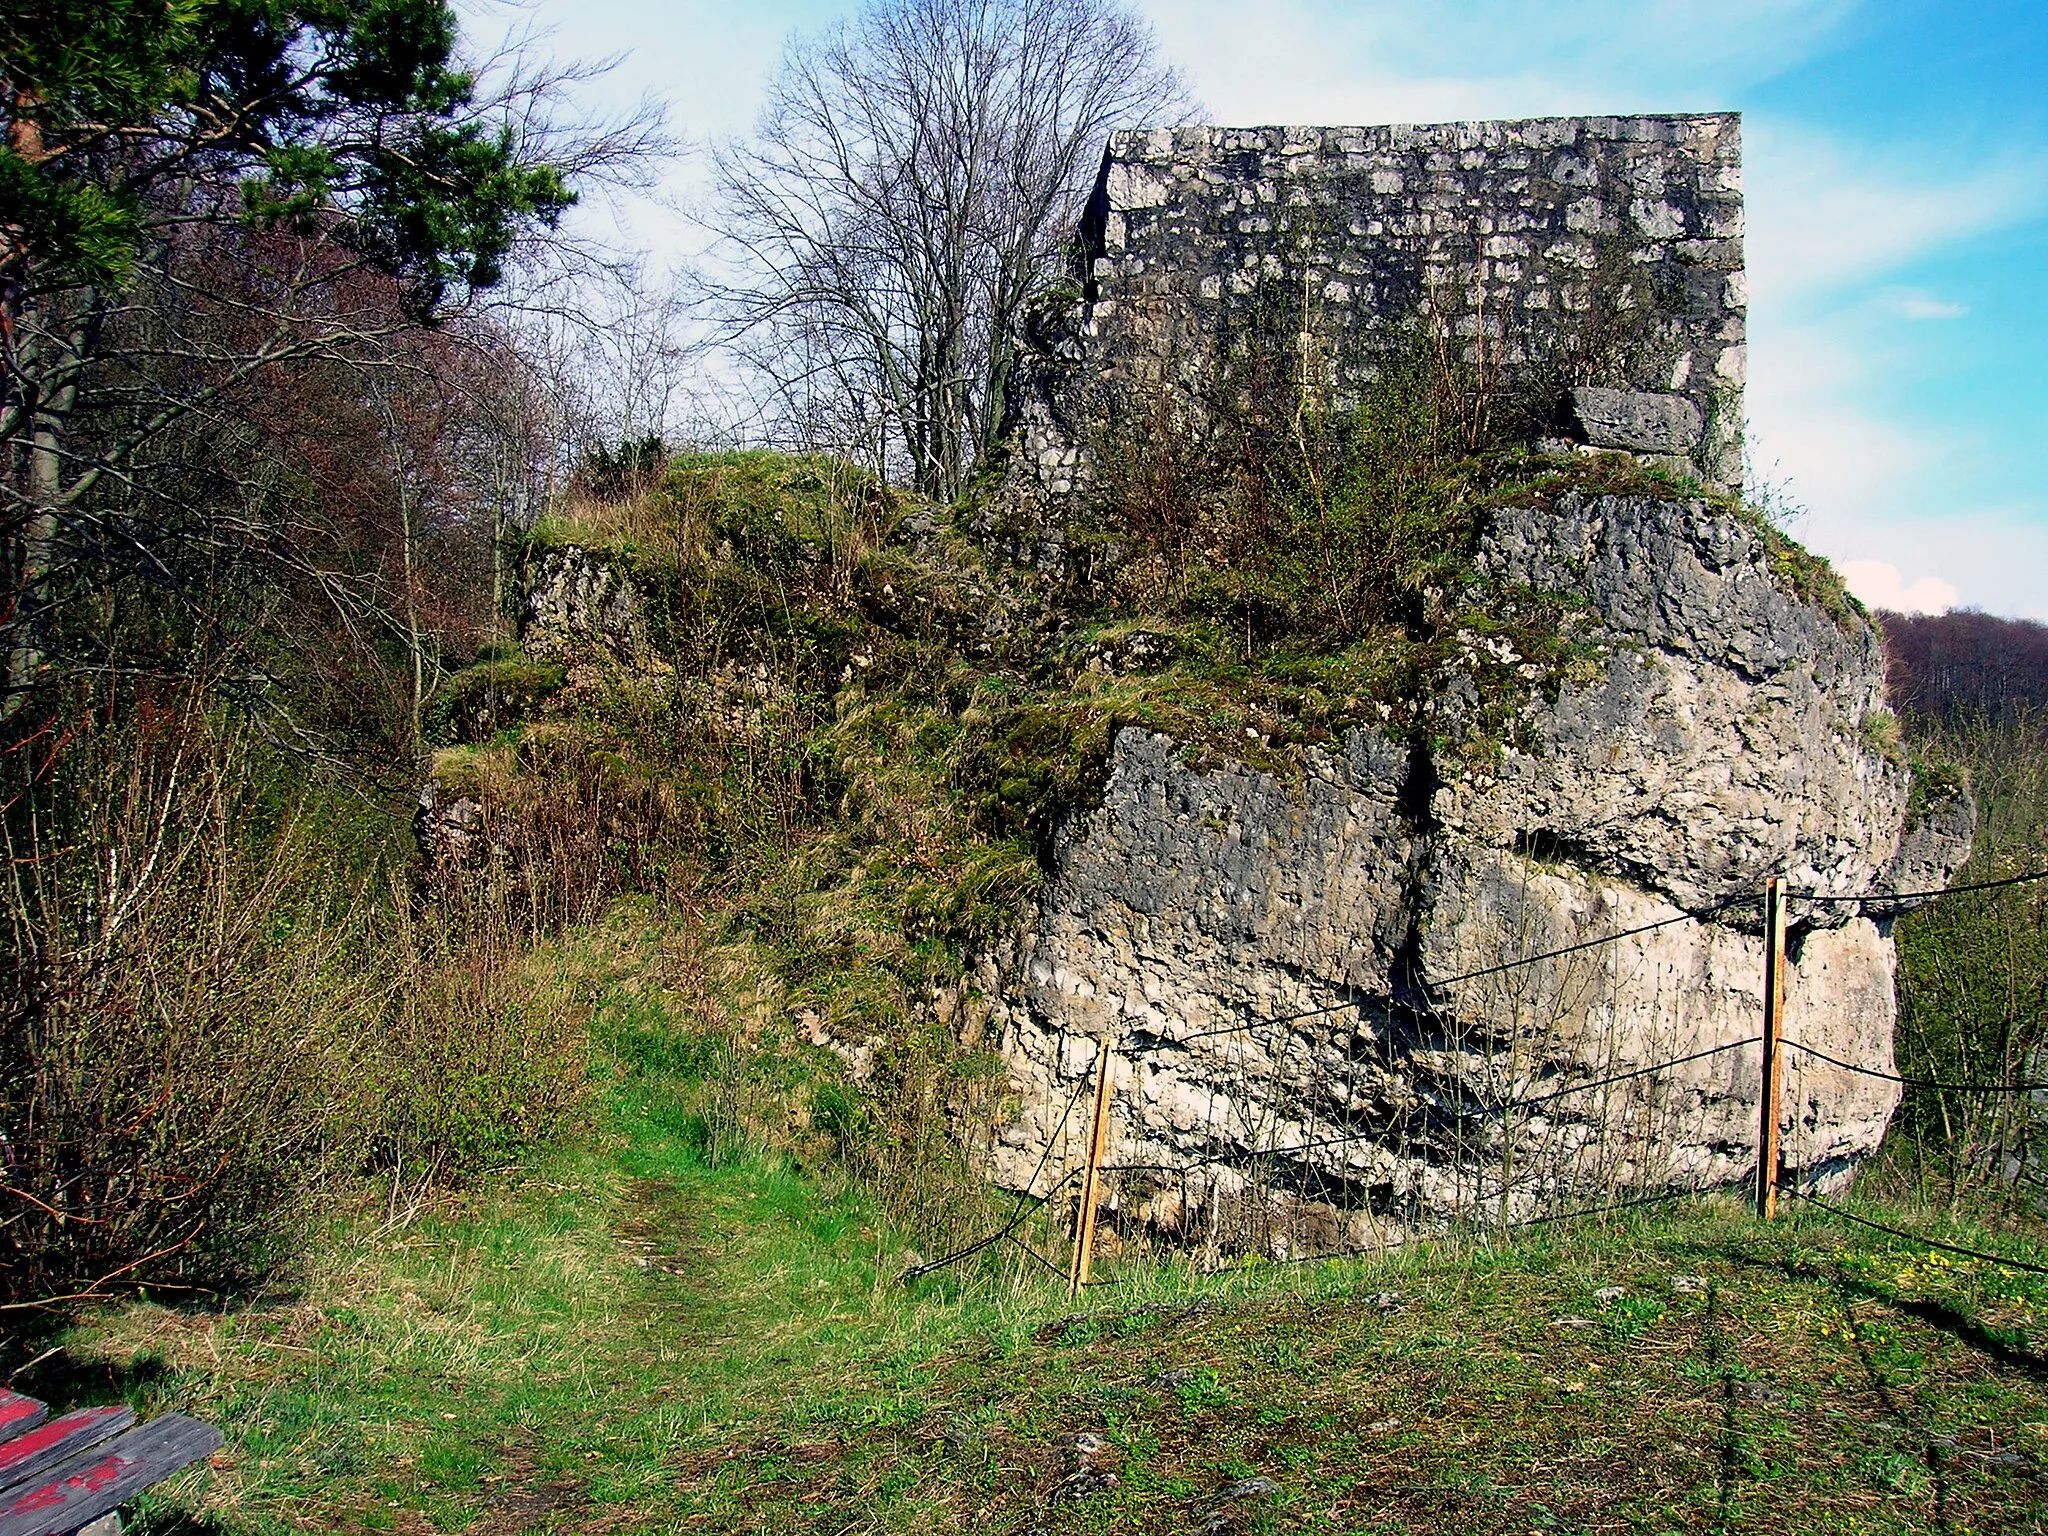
<point x="619" y="1338"/>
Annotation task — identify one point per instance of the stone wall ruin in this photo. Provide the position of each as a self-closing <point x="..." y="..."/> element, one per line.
<point x="1602" y="254"/>
<point x="1303" y="1058"/>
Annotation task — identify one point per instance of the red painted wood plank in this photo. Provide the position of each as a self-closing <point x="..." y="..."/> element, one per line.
<point x="20" y="1414"/>
<point x="25" y="1455"/>
<point x="104" y="1478"/>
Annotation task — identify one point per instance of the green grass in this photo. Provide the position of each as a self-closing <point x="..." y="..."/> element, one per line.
<point x="626" y="1335"/>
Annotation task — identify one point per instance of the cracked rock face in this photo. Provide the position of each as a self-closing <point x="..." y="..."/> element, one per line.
<point x="1303" y="982"/>
<point x="447" y="833"/>
<point x="1725" y="740"/>
<point x="573" y="597"/>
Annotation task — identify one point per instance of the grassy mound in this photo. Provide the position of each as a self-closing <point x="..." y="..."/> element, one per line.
<point x="854" y="725"/>
<point x="665" y="1328"/>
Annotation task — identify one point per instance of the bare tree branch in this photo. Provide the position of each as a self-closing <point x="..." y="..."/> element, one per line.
<point x="914" y="181"/>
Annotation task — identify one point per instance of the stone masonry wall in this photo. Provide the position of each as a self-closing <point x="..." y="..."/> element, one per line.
<point x="1610" y="248"/>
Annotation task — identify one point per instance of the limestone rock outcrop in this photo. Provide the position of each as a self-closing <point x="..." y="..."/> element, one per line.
<point x="447" y="830"/>
<point x="1303" y="982"/>
<point x="573" y="598"/>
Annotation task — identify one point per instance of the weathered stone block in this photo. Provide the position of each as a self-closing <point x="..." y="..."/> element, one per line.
<point x="575" y="599"/>
<point x="1637" y="420"/>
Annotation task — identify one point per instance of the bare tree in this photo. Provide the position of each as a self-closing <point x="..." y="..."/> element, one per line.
<point x="914" y="180"/>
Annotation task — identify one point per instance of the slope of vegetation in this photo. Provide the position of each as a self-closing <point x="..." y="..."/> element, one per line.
<point x="840" y="729"/>
<point x="659" y="1328"/>
<point x="564" y="1179"/>
<point x="743" y="870"/>
<point x="724" y="912"/>
<point x="1973" y="971"/>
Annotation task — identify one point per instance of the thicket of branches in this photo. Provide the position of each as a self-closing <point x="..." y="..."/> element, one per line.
<point x="1973" y="968"/>
<point x="264" y="427"/>
<point x="915" y="179"/>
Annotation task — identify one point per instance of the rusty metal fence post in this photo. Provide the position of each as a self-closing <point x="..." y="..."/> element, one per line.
<point x="1767" y="1148"/>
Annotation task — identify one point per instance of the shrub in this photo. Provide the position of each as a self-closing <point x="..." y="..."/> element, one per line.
<point x="218" y="1009"/>
<point x="178" y="1018"/>
<point x="482" y="1048"/>
<point x="477" y="702"/>
<point x="1973" y="978"/>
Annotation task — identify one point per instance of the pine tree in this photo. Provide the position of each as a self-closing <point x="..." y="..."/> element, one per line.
<point x="261" y="154"/>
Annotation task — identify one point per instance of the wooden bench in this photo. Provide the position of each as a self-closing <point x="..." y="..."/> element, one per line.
<point x="64" y="1475"/>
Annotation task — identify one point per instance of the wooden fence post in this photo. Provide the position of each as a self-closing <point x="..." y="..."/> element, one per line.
<point x="1773" y="1057"/>
<point x="1091" y="1180"/>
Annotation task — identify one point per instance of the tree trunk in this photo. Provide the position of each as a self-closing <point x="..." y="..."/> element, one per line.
<point x="36" y="560"/>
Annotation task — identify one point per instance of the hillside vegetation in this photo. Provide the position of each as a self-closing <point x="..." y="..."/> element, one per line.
<point x="755" y="851"/>
<point x="841" y="730"/>
<point x="636" y="1332"/>
<point x="503" y="920"/>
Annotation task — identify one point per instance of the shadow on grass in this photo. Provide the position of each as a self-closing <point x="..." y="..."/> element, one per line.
<point x="1900" y="1410"/>
<point x="170" y="1522"/>
<point x="1729" y="1469"/>
<point x="66" y="1382"/>
<point x="2007" y="1349"/>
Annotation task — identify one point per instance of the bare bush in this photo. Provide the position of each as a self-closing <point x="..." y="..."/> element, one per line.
<point x="215" y="1014"/>
<point x="175" y="1048"/>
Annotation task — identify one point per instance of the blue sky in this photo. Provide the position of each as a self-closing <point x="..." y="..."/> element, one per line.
<point x="1896" y="176"/>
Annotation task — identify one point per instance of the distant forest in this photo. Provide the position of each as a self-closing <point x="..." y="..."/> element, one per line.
<point x="1959" y="666"/>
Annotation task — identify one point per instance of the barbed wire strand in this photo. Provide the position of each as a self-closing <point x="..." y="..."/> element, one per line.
<point x="1915" y="1082"/>
<point x="1663" y="1198"/>
<point x="1914" y="1237"/>
<point x="1232" y="1159"/>
<point x="1930" y="895"/>
<point x="1694" y="915"/>
<point x="932" y="1266"/>
<point x="1623" y="1077"/>
<point x="1006" y="1231"/>
<point x="1017" y="1217"/>
<point x="1051" y="1268"/>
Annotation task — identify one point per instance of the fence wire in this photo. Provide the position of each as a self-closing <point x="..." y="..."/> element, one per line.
<point x="1024" y="1207"/>
<point x="1453" y="1116"/>
<point x="2002" y="1260"/>
<point x="1913" y="1082"/>
<point x="1884" y="897"/>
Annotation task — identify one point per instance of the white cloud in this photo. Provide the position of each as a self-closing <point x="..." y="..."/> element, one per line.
<point x="1828" y="355"/>
<point x="1879" y="489"/>
<point x="1880" y="584"/>
<point x="1820" y="218"/>
<point x="1918" y="304"/>
<point x="1810" y="429"/>
<point x="1994" y="558"/>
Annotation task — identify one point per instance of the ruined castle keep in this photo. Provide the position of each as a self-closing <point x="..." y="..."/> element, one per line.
<point x="1294" y="976"/>
<point x="1607" y="251"/>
